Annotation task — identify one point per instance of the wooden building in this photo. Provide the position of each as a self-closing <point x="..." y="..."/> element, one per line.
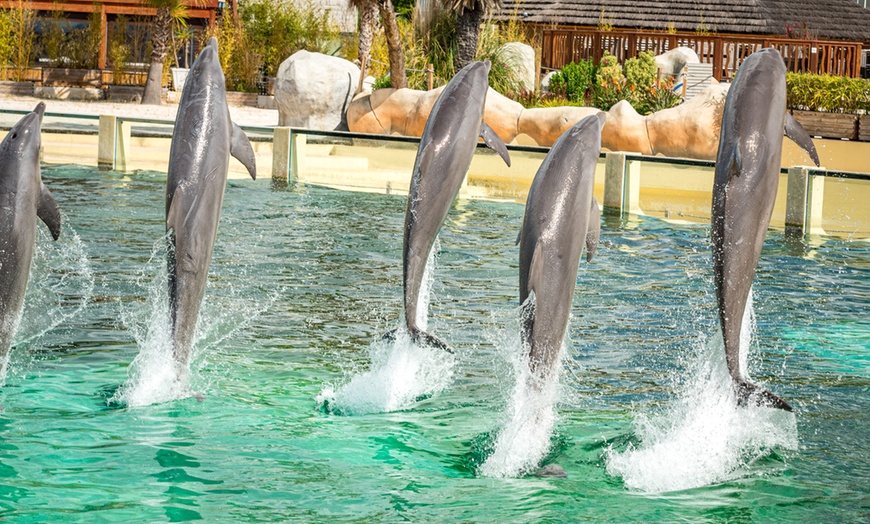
<point x="200" y="13"/>
<point x="822" y="36"/>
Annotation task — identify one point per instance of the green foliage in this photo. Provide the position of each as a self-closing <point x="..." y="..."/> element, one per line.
<point x="53" y="35"/>
<point x="835" y="94"/>
<point x="269" y="32"/>
<point x="23" y="24"/>
<point x="7" y="41"/>
<point x="609" y="71"/>
<point x="642" y="70"/>
<point x="119" y="51"/>
<point x="605" y="86"/>
<point x="575" y="81"/>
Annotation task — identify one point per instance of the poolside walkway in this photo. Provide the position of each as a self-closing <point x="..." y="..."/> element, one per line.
<point x="242" y="115"/>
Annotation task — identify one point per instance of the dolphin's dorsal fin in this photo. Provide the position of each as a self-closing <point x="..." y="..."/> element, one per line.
<point x="240" y="147"/>
<point x="494" y="142"/>
<point x="593" y="231"/>
<point x="48" y="212"/>
<point x="796" y="132"/>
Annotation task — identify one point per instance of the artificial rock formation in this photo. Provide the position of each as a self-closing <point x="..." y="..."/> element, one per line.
<point x="313" y="90"/>
<point x="520" y="58"/>
<point x="673" y="61"/>
<point x="690" y="130"/>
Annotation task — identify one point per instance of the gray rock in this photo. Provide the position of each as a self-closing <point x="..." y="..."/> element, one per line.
<point x="673" y="62"/>
<point x="313" y="90"/>
<point x="520" y="58"/>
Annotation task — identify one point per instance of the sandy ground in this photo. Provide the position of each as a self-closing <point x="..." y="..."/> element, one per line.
<point x="242" y="115"/>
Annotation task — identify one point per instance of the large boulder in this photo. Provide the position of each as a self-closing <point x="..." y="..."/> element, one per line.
<point x="673" y="61"/>
<point x="313" y="91"/>
<point x="690" y="130"/>
<point x="519" y="57"/>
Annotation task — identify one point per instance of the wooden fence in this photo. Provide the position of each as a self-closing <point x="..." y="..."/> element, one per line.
<point x="725" y="53"/>
<point x="58" y="76"/>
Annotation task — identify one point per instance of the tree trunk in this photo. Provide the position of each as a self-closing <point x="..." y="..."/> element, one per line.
<point x="467" y="30"/>
<point x="394" y="44"/>
<point x="160" y="33"/>
<point x="368" y="20"/>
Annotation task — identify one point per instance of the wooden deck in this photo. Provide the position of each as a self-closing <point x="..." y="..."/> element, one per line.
<point x="725" y="52"/>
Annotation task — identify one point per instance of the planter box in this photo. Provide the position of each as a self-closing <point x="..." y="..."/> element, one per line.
<point x="828" y="125"/>
<point x="68" y="93"/>
<point x="16" y="88"/>
<point x="236" y="98"/>
<point x="864" y="128"/>
<point x="124" y="93"/>
<point x="56" y="76"/>
<point x="179" y="75"/>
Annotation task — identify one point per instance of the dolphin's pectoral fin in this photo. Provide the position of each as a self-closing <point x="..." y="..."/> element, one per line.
<point x="241" y="149"/>
<point x="494" y="142"/>
<point x="748" y="392"/>
<point x="172" y="217"/>
<point x="48" y="212"/>
<point x="593" y="231"/>
<point x="736" y="164"/>
<point x="427" y="339"/>
<point x="796" y="132"/>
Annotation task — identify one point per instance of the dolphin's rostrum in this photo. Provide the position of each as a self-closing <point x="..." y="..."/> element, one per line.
<point x="561" y="216"/>
<point x="443" y="158"/>
<point x="744" y="191"/>
<point x="23" y="198"/>
<point x="202" y="142"/>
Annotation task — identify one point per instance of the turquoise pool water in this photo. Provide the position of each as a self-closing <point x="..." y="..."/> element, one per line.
<point x="303" y="284"/>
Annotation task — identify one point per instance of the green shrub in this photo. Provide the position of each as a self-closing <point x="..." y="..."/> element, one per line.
<point x="835" y="94"/>
<point x="642" y="70"/>
<point x="575" y="81"/>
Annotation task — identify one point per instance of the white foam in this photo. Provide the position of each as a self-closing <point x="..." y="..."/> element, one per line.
<point x="525" y="436"/>
<point x="401" y="372"/>
<point x="702" y="437"/>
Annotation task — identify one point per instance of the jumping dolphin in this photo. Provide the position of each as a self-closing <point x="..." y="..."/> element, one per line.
<point x="561" y="215"/>
<point x="443" y="158"/>
<point x="23" y="197"/>
<point x="202" y="142"/>
<point x="744" y="190"/>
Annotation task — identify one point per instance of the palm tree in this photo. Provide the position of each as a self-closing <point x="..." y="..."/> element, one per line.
<point x="168" y="13"/>
<point x="368" y="19"/>
<point x="469" y="13"/>
<point x="394" y="44"/>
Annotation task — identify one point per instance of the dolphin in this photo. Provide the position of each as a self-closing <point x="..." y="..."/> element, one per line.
<point x="23" y="198"/>
<point x="202" y="142"/>
<point x="744" y="190"/>
<point x="443" y="158"/>
<point x="561" y="216"/>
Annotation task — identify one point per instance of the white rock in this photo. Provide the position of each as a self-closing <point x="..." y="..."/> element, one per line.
<point x="521" y="58"/>
<point x="676" y="59"/>
<point x="313" y="90"/>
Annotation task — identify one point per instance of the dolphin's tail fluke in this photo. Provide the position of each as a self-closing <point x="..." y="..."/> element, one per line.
<point x="749" y="393"/>
<point x="420" y="337"/>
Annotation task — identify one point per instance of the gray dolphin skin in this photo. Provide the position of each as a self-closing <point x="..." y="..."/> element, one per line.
<point x="23" y="198"/>
<point x="443" y="158"/>
<point x="744" y="190"/>
<point x="561" y="216"/>
<point x="202" y="142"/>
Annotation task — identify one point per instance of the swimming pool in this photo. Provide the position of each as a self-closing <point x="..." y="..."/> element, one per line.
<point x="303" y="284"/>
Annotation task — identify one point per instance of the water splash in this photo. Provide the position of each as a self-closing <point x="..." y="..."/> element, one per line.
<point x="154" y="376"/>
<point x="703" y="437"/>
<point x="60" y="286"/>
<point x="525" y="437"/>
<point x="401" y="373"/>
